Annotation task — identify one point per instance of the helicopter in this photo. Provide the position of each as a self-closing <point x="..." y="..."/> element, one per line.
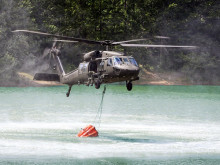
<point x="98" y="66"/>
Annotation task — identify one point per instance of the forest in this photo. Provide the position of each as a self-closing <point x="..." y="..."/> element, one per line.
<point x="185" y="22"/>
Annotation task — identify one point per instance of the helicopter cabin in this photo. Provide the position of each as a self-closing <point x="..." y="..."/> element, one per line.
<point x="108" y="60"/>
<point x="107" y="65"/>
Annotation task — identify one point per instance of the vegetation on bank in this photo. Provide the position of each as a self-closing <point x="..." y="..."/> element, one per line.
<point x="186" y="22"/>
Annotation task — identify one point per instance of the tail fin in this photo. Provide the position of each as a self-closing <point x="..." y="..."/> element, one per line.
<point x="59" y="65"/>
<point x="55" y="54"/>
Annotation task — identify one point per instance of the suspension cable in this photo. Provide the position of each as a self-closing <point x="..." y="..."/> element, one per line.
<point x="99" y="113"/>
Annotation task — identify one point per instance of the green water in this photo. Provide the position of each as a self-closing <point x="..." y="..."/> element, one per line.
<point x="149" y="125"/>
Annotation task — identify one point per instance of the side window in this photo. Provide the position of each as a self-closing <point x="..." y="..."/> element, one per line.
<point x="82" y="68"/>
<point x="117" y="61"/>
<point x="132" y="60"/>
<point x="109" y="62"/>
<point x="102" y="63"/>
<point x="126" y="61"/>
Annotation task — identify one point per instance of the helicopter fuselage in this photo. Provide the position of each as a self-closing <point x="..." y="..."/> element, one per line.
<point x="109" y="67"/>
<point x="98" y="66"/>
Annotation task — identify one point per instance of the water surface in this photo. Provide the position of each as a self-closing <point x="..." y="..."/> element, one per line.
<point x="149" y="125"/>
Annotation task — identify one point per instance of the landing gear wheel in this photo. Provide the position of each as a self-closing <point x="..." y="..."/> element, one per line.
<point x="129" y="86"/>
<point x="97" y="84"/>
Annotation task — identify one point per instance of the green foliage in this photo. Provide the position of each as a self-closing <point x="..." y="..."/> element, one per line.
<point x="187" y="22"/>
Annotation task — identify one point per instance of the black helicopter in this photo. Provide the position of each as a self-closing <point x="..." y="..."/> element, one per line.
<point x="98" y="66"/>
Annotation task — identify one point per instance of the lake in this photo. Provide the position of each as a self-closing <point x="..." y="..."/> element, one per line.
<point x="148" y="125"/>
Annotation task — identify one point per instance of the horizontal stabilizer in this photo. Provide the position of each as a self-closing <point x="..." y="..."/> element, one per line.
<point x="46" y="77"/>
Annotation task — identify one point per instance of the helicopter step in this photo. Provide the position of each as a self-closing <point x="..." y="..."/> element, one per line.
<point x="95" y="78"/>
<point x="91" y="81"/>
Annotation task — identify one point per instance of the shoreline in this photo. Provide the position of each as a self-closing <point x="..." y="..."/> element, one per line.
<point x="146" y="78"/>
<point x="54" y="84"/>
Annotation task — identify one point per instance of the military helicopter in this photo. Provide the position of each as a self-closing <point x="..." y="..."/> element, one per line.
<point x="98" y="66"/>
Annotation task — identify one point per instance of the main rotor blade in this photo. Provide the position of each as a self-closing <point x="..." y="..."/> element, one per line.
<point x="66" y="41"/>
<point x="59" y="36"/>
<point x="158" y="46"/>
<point x="161" y="37"/>
<point x="143" y="39"/>
<point x="121" y="42"/>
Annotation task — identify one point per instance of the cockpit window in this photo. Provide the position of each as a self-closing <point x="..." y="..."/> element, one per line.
<point x="132" y="60"/>
<point x="126" y="61"/>
<point x="109" y="63"/>
<point x="117" y="61"/>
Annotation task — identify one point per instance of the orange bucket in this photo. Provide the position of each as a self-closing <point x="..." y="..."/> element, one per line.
<point x="88" y="131"/>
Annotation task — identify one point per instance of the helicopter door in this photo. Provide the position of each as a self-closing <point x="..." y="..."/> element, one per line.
<point x="101" y="67"/>
<point x="83" y="72"/>
<point x="109" y="67"/>
<point x="93" y="67"/>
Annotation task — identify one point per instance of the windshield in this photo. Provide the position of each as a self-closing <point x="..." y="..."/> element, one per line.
<point x="126" y="61"/>
<point x="117" y="61"/>
<point x="132" y="60"/>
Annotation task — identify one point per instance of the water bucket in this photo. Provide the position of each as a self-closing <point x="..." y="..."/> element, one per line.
<point x="88" y="131"/>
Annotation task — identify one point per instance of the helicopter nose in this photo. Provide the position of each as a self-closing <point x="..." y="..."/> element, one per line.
<point x="127" y="71"/>
<point x="131" y="72"/>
